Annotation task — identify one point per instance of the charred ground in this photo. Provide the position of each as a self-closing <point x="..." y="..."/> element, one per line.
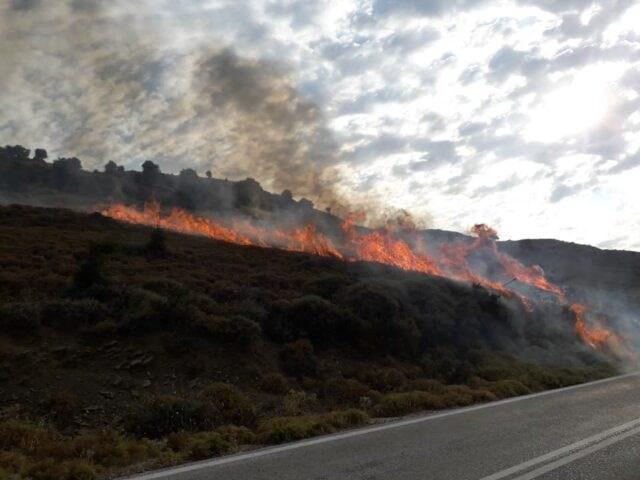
<point x="124" y="348"/>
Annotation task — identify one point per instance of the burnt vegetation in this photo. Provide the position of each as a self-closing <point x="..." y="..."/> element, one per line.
<point x="125" y="348"/>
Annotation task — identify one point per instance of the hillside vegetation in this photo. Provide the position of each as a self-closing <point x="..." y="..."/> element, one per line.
<point x="123" y="348"/>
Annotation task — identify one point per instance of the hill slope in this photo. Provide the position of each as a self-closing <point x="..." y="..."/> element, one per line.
<point x="124" y="348"/>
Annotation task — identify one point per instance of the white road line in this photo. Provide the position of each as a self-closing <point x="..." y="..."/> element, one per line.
<point x="613" y="432"/>
<point x="358" y="432"/>
<point x="576" y="456"/>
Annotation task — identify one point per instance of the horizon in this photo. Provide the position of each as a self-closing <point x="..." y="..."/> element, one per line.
<point x="203" y="176"/>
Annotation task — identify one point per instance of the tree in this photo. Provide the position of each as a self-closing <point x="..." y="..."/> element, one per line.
<point x="40" y="155"/>
<point x="150" y="172"/>
<point x="287" y="195"/>
<point x="208" y="173"/>
<point x="306" y="204"/>
<point x="66" y="171"/>
<point x="16" y="152"/>
<point x="111" y="168"/>
<point x="188" y="174"/>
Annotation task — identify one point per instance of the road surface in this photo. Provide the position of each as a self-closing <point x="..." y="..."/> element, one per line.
<point x="589" y="431"/>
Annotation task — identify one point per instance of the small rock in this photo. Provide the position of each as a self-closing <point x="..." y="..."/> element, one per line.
<point x="146" y="384"/>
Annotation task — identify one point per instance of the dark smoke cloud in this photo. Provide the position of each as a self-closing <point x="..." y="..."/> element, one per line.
<point x="277" y="134"/>
<point x="103" y="82"/>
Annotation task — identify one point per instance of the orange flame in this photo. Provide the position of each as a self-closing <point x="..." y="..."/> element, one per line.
<point x="596" y="336"/>
<point x="452" y="260"/>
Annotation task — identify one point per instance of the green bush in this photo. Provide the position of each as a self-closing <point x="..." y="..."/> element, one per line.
<point x="50" y="469"/>
<point x="287" y="429"/>
<point x="508" y="388"/>
<point x="167" y="414"/>
<point x="397" y="404"/>
<point x="343" y="391"/>
<point x="384" y="379"/>
<point x="205" y="445"/>
<point x="297" y="402"/>
<point x="275" y="383"/>
<point x="426" y="385"/>
<point x="229" y="402"/>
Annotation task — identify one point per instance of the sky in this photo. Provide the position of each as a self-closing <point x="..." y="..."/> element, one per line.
<point x="522" y="114"/>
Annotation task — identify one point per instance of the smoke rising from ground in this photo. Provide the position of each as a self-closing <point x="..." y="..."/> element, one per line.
<point x="107" y="82"/>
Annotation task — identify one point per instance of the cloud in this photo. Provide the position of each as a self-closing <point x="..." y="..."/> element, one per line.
<point x="430" y="8"/>
<point x="429" y="100"/>
<point x="24" y="5"/>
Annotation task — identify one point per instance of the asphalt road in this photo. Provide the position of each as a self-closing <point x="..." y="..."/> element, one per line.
<point x="590" y="431"/>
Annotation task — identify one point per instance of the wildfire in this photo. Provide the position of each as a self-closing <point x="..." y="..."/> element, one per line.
<point x="595" y="336"/>
<point x="456" y="260"/>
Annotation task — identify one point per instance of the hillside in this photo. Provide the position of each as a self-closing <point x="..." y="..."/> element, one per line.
<point x="27" y="178"/>
<point x="125" y="348"/>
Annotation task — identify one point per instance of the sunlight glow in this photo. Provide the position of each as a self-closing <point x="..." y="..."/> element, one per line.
<point x="571" y="109"/>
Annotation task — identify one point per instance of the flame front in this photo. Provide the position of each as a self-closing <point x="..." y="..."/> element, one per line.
<point x="452" y="260"/>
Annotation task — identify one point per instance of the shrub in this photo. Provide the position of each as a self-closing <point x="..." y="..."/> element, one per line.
<point x="21" y="318"/>
<point x="73" y="314"/>
<point x="426" y="385"/>
<point x="458" y="395"/>
<point x="230" y="403"/>
<point x="311" y="317"/>
<point x="50" y="469"/>
<point x="508" y="388"/>
<point x="327" y="285"/>
<point x="275" y="383"/>
<point x="224" y="291"/>
<point x="63" y="405"/>
<point x="90" y="270"/>
<point x="298" y="358"/>
<point x="163" y="415"/>
<point x="384" y="379"/>
<point x="351" y="417"/>
<point x="205" y="445"/>
<point x="396" y="404"/>
<point x="287" y="429"/>
<point x="297" y="402"/>
<point x="236" y="329"/>
<point x="385" y="308"/>
<point x="347" y="391"/>
<point x="237" y="436"/>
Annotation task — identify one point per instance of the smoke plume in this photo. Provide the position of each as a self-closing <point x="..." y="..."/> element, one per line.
<point x="107" y="82"/>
